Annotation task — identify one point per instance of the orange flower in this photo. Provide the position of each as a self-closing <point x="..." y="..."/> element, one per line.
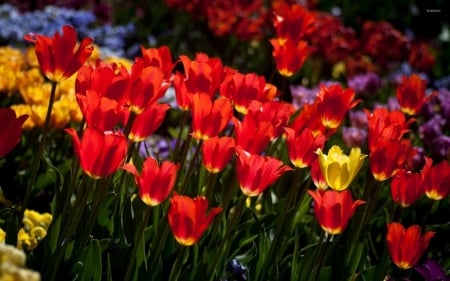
<point x="387" y="157"/>
<point x="302" y="146"/>
<point x="156" y="181"/>
<point x="255" y="172"/>
<point x="289" y="56"/>
<point x="406" y="188"/>
<point x="241" y="89"/>
<point x="10" y="129"/>
<point x="217" y="152"/>
<point x="333" y="102"/>
<point x="436" y="179"/>
<point x="100" y="154"/>
<point x="189" y="218"/>
<point x="148" y="122"/>
<point x="209" y="118"/>
<point x="333" y="209"/>
<point x="411" y="94"/>
<point x="406" y="246"/>
<point x="59" y="57"/>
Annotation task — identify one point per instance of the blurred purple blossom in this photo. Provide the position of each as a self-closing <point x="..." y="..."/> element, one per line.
<point x="365" y="84"/>
<point x="354" y="137"/>
<point x="302" y="95"/>
<point x="431" y="270"/>
<point x="358" y="119"/>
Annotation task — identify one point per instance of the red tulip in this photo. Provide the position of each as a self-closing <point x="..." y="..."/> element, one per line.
<point x="387" y="157"/>
<point x="209" y="118"/>
<point x="10" y="129"/>
<point x="217" y="152"/>
<point x="255" y="173"/>
<point x="146" y="86"/>
<point x="148" y="122"/>
<point x="411" y="94"/>
<point x="241" y="89"/>
<point x="201" y="76"/>
<point x="107" y="80"/>
<point x="436" y="179"/>
<point x="333" y="209"/>
<point x="385" y="124"/>
<point x="59" y="56"/>
<point x="158" y="57"/>
<point x="302" y="146"/>
<point x="333" y="103"/>
<point x="100" y="112"/>
<point x="289" y="56"/>
<point x="406" y="246"/>
<point x="189" y="218"/>
<point x="100" y="154"/>
<point x="156" y="181"/>
<point x="288" y="16"/>
<point x="316" y="175"/>
<point x="406" y="187"/>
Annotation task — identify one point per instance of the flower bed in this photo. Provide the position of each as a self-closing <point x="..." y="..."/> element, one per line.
<point x="333" y="165"/>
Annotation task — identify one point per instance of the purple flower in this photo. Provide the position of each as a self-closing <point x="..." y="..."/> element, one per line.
<point x="431" y="270"/>
<point x="358" y="119"/>
<point x="431" y="129"/>
<point x="354" y="137"/>
<point x="364" y="84"/>
<point x="302" y="95"/>
<point x="440" y="148"/>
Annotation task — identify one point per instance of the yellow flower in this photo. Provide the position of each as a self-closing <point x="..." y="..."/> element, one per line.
<point x="21" y="109"/>
<point x="34" y="229"/>
<point x="339" y="169"/>
<point x="2" y="236"/>
<point x="12" y="262"/>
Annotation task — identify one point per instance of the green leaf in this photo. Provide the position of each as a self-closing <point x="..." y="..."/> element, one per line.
<point x="92" y="262"/>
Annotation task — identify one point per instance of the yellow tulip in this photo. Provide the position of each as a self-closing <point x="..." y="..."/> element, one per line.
<point x="340" y="169"/>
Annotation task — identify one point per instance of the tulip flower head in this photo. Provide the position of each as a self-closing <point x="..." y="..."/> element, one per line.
<point x="339" y="169"/>
<point x="406" y="246"/>
<point x="411" y="94"/>
<point x="333" y="209"/>
<point x="100" y="153"/>
<point x="406" y="187"/>
<point x="59" y="56"/>
<point x="333" y="102"/>
<point x="255" y="172"/>
<point x="189" y="218"/>
<point x="436" y="179"/>
<point x="156" y="181"/>
<point x="302" y="146"/>
<point x="10" y="129"/>
<point x="217" y="152"/>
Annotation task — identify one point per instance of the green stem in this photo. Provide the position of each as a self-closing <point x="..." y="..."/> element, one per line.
<point x="212" y="177"/>
<point x="370" y="195"/>
<point x="139" y="235"/>
<point x="175" y="272"/>
<point x="191" y="166"/>
<point x="280" y="226"/>
<point x="40" y="151"/>
<point x="160" y="241"/>
<point x="322" y="253"/>
<point x="71" y="226"/>
<point x="180" y="134"/>
<point x="222" y="249"/>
